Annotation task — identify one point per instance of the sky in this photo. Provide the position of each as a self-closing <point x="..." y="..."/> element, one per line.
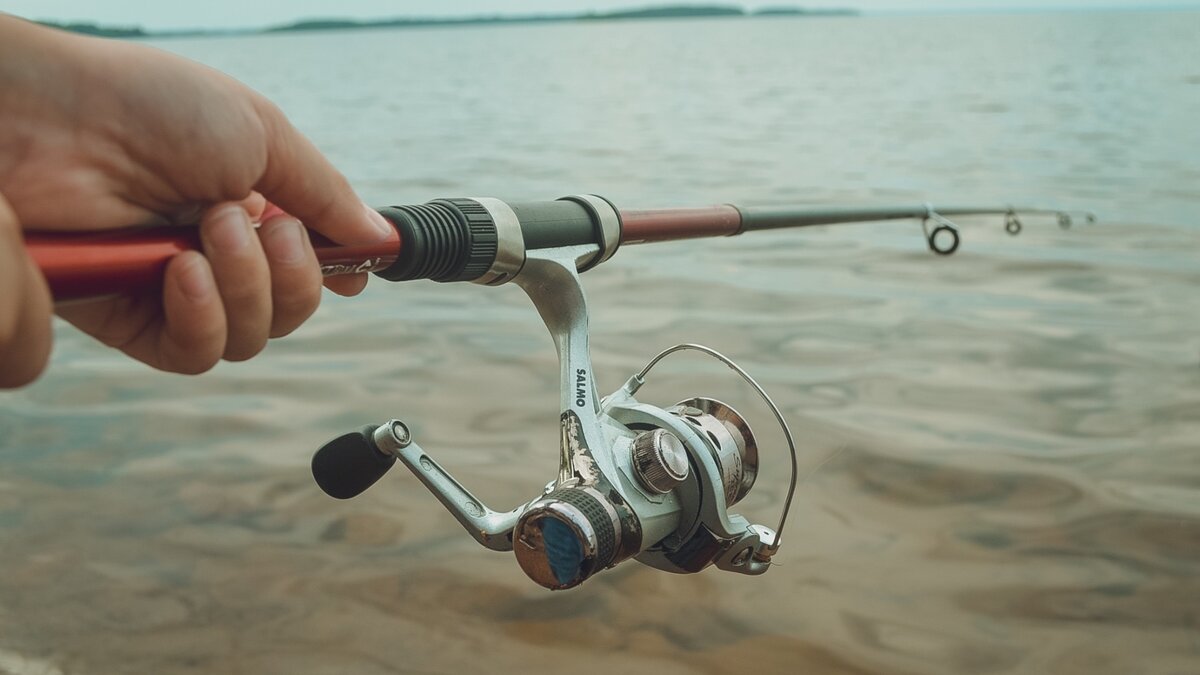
<point x="165" y="15"/>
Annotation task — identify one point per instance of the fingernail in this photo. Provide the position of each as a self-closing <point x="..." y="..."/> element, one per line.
<point x="230" y="229"/>
<point x="197" y="280"/>
<point x="385" y="228"/>
<point x="284" y="242"/>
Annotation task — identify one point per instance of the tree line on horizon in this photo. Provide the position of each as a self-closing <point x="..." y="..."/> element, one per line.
<point x="656" y="12"/>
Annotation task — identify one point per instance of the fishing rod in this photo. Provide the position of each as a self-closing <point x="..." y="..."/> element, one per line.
<point x="635" y="480"/>
<point x="81" y="266"/>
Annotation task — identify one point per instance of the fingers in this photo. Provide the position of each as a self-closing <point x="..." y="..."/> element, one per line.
<point x="260" y="284"/>
<point x="295" y="274"/>
<point x="242" y="276"/>
<point x="255" y="205"/>
<point x="247" y="286"/>
<point x="25" y="332"/>
<point x="303" y="183"/>
<point x="191" y="334"/>
<point x="347" y="285"/>
<point x="269" y="280"/>
<point x="184" y="331"/>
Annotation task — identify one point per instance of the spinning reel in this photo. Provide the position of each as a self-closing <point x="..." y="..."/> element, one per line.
<point x="634" y="480"/>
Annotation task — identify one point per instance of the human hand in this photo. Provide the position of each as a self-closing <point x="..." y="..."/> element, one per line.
<point x="24" y="307"/>
<point x="97" y="134"/>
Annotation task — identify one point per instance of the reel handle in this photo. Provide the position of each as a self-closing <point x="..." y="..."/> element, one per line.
<point x="351" y="463"/>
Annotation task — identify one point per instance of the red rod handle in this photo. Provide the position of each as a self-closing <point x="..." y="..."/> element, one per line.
<point x="113" y="262"/>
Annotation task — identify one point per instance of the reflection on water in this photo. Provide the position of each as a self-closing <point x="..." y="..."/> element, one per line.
<point x="1015" y="477"/>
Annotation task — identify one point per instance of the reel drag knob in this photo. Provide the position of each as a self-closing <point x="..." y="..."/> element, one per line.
<point x="566" y="536"/>
<point x="660" y="460"/>
<point x="353" y="462"/>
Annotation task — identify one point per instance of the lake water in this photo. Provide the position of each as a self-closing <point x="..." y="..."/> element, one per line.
<point x="1010" y="437"/>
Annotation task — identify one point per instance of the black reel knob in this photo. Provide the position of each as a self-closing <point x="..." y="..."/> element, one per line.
<point x="350" y="463"/>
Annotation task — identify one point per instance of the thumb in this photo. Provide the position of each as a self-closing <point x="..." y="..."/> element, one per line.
<point x="25" y="308"/>
<point x="303" y="183"/>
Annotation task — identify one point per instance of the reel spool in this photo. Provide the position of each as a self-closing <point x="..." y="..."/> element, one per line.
<point x="635" y="480"/>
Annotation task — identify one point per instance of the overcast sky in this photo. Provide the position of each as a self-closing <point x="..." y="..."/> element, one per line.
<point x="241" y="14"/>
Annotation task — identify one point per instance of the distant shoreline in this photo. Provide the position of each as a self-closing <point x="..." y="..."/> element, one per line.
<point x="642" y="14"/>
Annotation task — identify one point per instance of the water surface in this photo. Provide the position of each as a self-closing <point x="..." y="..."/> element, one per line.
<point x="1013" y="474"/>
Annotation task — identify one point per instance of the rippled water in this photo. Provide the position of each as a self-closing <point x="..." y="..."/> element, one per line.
<point x="1012" y="434"/>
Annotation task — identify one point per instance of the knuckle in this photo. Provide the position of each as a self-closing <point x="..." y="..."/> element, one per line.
<point x="198" y="356"/>
<point x="268" y="112"/>
<point x="244" y="300"/>
<point x="294" y="308"/>
<point x="114" y="328"/>
<point x="244" y="286"/>
<point x="247" y="336"/>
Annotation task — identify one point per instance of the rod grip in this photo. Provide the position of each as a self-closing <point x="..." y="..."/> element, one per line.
<point x="444" y="240"/>
<point x="461" y="239"/>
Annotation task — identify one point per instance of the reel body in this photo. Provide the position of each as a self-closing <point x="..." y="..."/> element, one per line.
<point x="634" y="480"/>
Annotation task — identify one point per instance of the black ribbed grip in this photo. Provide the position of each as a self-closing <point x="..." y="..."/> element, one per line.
<point x="597" y="515"/>
<point x="444" y="240"/>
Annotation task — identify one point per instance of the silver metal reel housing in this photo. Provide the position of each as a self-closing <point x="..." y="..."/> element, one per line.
<point x="737" y="450"/>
